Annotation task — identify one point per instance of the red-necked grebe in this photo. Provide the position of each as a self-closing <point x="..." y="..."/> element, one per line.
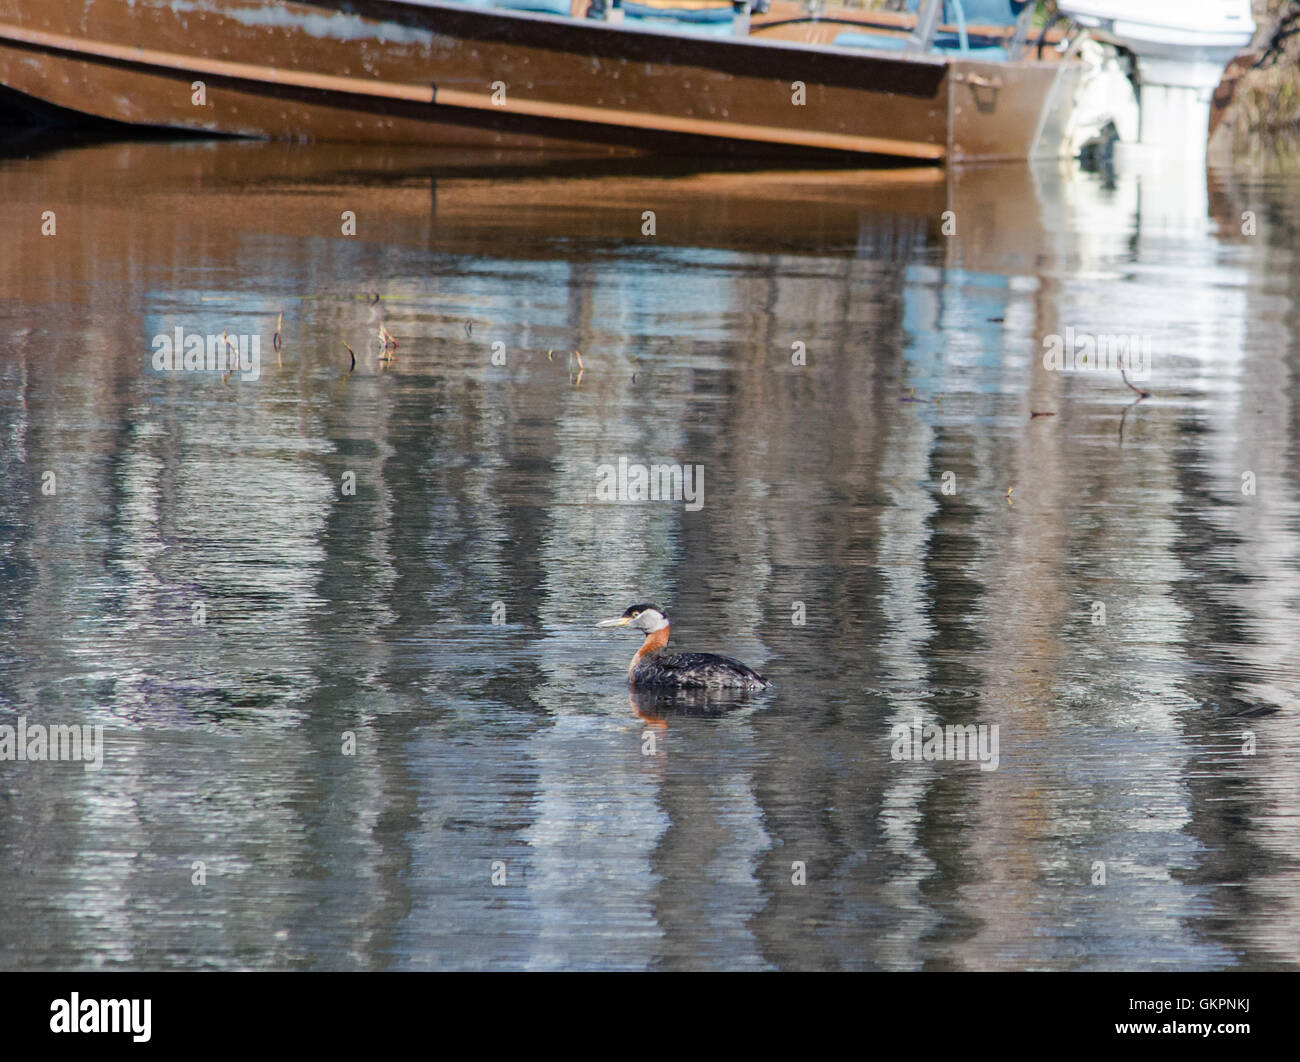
<point x="654" y="668"/>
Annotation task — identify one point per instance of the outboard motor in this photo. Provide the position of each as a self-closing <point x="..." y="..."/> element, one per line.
<point x="1182" y="48"/>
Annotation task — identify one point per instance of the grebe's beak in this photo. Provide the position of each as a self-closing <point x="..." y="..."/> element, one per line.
<point x="622" y="621"/>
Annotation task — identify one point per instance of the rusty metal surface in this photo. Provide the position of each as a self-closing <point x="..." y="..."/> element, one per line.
<point x="997" y="107"/>
<point x="417" y="71"/>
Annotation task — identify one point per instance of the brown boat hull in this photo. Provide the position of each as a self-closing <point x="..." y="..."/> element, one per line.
<point x="422" y="73"/>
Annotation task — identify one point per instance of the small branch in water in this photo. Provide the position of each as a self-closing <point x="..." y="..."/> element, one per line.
<point x="469" y="328"/>
<point x="235" y="350"/>
<point x="1040" y="413"/>
<point x="353" y="353"/>
<point x="279" y="321"/>
<point x="1141" y="393"/>
<point x="1124" y="416"/>
<point x="1010" y="491"/>
<point x="387" y="343"/>
<point x="578" y="354"/>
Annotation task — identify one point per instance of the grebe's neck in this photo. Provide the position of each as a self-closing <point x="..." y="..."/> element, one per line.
<point x="653" y="641"/>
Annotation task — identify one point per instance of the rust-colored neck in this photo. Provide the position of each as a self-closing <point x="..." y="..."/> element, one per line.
<point x="654" y="640"/>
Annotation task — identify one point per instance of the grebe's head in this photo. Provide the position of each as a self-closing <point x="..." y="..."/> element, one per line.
<point x="645" y="618"/>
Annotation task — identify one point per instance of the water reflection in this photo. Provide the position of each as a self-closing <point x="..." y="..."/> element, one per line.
<point x="407" y="562"/>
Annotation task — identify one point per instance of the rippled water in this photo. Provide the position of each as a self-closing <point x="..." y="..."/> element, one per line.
<point x="203" y="586"/>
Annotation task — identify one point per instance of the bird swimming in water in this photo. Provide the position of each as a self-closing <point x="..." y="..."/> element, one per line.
<point x="654" y="668"/>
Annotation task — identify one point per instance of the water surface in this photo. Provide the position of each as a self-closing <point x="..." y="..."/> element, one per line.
<point x="945" y="550"/>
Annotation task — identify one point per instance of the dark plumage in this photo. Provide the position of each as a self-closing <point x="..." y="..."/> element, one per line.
<point x="655" y="668"/>
<point x="695" y="671"/>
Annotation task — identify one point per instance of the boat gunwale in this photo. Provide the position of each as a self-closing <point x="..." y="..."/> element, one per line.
<point x="573" y="22"/>
<point x="624" y="26"/>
